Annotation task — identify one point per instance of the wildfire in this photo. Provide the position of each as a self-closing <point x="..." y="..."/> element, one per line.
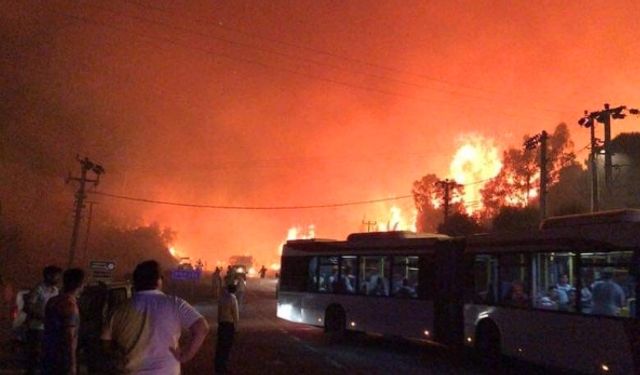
<point x="295" y="233"/>
<point x="396" y="221"/>
<point x="475" y="161"/>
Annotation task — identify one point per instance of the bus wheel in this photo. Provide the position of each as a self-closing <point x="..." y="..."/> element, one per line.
<point x="335" y="322"/>
<point x="487" y="346"/>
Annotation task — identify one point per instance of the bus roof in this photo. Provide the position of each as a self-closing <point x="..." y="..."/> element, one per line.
<point x="603" y="217"/>
<point x="603" y="230"/>
<point x="376" y="236"/>
<point x="367" y="242"/>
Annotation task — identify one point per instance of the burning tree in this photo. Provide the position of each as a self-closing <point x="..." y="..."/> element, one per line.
<point x="426" y="201"/>
<point x="429" y="199"/>
<point x="517" y="183"/>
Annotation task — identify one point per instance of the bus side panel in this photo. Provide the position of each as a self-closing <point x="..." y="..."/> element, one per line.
<point x="388" y="316"/>
<point x="569" y="341"/>
<point x="448" y="302"/>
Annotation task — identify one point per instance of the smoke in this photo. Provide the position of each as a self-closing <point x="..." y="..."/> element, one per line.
<point x="245" y="109"/>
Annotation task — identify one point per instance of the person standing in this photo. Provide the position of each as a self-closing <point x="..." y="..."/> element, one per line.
<point x="61" y="321"/>
<point x="216" y="283"/>
<point x="241" y="288"/>
<point x="228" y="316"/>
<point x="263" y="272"/>
<point x="35" y="309"/>
<point x="142" y="335"/>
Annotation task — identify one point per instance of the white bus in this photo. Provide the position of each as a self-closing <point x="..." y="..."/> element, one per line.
<point x="563" y="296"/>
<point x="391" y="283"/>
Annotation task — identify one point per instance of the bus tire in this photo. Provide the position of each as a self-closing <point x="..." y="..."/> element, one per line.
<point x="335" y="323"/>
<point x="487" y="345"/>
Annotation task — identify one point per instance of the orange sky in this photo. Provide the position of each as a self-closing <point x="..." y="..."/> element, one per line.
<point x="305" y="102"/>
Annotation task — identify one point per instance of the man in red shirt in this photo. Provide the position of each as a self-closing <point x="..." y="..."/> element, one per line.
<point x="61" y="321"/>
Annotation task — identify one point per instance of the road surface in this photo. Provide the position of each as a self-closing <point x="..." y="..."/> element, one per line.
<point x="268" y="345"/>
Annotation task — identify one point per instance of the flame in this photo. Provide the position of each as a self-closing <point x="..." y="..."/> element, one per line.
<point x="476" y="161"/>
<point x="397" y="221"/>
<point x="296" y="233"/>
<point x="174" y="253"/>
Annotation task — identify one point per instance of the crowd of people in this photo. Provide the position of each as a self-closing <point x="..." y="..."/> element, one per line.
<point x="602" y="297"/>
<point x="141" y="335"/>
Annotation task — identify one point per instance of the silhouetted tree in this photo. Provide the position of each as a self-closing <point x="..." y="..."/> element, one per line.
<point x="625" y="191"/>
<point x="511" y="219"/>
<point x="460" y="224"/>
<point x="424" y="194"/>
<point x="517" y="183"/>
<point x="129" y="246"/>
<point x="572" y="193"/>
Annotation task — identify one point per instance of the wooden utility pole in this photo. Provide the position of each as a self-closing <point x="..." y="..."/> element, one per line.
<point x="447" y="186"/>
<point x="86" y="165"/>
<point x="543" y="175"/>
<point x="594" y="170"/>
<point x="86" y="237"/>
<point x="369" y="224"/>
<point x="531" y="144"/>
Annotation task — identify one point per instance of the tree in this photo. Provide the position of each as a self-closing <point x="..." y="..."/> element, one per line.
<point x="513" y="219"/>
<point x="515" y="185"/>
<point x="424" y="196"/>
<point x="130" y="246"/>
<point x="625" y="192"/>
<point x="512" y="186"/>
<point x="572" y="193"/>
<point x="460" y="224"/>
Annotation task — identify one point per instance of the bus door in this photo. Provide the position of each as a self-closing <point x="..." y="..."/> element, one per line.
<point x="448" y="295"/>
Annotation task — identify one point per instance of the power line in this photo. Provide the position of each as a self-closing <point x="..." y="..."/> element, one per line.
<point x="247" y="208"/>
<point x="324" y="52"/>
<point x="280" y="68"/>
<point x="290" y="56"/>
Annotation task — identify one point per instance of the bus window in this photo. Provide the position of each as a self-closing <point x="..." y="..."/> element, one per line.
<point x="347" y="282"/>
<point x="294" y="277"/>
<point x="554" y="286"/>
<point x="374" y="275"/>
<point x="312" y="275"/>
<point x="327" y="273"/>
<point x="485" y="280"/>
<point x="609" y="288"/>
<point x="405" y="276"/>
<point x="515" y="285"/>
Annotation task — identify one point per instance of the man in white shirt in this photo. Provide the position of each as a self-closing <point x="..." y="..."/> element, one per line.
<point x="228" y="317"/>
<point x="143" y="333"/>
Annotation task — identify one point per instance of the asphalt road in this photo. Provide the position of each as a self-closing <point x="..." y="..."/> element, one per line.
<point x="268" y="345"/>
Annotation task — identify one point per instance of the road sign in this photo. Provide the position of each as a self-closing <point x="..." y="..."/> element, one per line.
<point x="102" y="270"/>
<point x="102" y="265"/>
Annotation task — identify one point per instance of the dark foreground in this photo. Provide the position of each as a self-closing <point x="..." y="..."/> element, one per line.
<point x="267" y="345"/>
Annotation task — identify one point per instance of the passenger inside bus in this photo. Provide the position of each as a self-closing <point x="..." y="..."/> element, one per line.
<point x="345" y="283"/>
<point x="380" y="288"/>
<point x="517" y="296"/>
<point x="374" y="285"/>
<point x="550" y="300"/>
<point x="608" y="297"/>
<point x="406" y="291"/>
<point x="563" y="289"/>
